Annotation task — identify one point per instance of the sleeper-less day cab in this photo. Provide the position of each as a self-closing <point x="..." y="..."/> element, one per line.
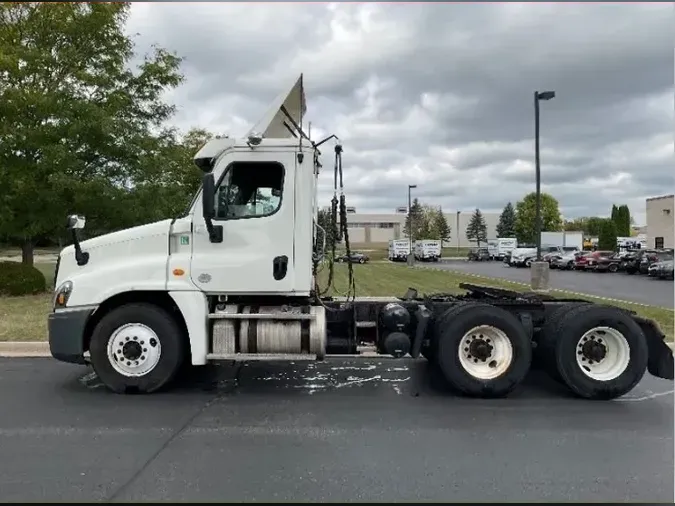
<point x="234" y="278"/>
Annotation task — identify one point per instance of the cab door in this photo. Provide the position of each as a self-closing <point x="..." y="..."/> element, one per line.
<point x="255" y="206"/>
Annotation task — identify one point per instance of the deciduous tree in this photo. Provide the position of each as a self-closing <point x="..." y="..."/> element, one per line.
<point x="77" y="122"/>
<point x="551" y="221"/>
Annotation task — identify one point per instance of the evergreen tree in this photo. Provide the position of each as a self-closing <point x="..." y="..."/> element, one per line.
<point x="416" y="214"/>
<point x="476" y="230"/>
<point x="623" y="228"/>
<point x="615" y="217"/>
<point x="507" y="222"/>
<point x="607" y="238"/>
<point x="439" y="227"/>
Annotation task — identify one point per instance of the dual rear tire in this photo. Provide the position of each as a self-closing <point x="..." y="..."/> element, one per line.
<point x="598" y="352"/>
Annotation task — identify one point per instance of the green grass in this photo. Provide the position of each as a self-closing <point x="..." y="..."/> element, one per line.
<point x="25" y="318"/>
<point x="394" y="279"/>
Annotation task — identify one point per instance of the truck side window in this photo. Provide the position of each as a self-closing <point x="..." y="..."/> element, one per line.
<point x="250" y="190"/>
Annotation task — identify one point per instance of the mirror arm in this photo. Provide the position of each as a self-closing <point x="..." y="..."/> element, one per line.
<point x="215" y="231"/>
<point x="81" y="257"/>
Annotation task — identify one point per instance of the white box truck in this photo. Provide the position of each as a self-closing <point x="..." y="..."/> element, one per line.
<point x="428" y="250"/>
<point x="493" y="248"/>
<point x="398" y="250"/>
<point x="505" y="247"/>
<point x="568" y="241"/>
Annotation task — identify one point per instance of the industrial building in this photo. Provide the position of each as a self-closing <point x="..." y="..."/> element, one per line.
<point x="660" y="224"/>
<point x="378" y="229"/>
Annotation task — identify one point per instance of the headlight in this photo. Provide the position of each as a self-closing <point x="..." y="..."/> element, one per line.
<point x="62" y="294"/>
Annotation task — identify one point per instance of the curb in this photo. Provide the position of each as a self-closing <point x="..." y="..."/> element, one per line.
<point x="18" y="349"/>
<point x="24" y="349"/>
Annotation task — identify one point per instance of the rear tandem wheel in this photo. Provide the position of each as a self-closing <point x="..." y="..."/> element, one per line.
<point x="600" y="351"/>
<point x="482" y="350"/>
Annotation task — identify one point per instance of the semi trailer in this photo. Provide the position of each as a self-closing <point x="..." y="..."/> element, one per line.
<point x="236" y="278"/>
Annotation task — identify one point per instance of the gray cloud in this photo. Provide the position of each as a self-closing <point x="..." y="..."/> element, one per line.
<point x="441" y="95"/>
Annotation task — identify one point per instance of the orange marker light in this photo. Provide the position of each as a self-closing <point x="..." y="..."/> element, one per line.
<point x="61" y="299"/>
<point x="178" y="272"/>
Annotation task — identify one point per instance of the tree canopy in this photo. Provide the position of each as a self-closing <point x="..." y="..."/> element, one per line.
<point x="525" y="226"/>
<point x="81" y="125"/>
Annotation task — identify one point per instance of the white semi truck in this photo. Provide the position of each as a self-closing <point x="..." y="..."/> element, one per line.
<point x="234" y="278"/>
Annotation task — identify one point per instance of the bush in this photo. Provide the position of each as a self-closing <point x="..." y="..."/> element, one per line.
<point x="19" y="279"/>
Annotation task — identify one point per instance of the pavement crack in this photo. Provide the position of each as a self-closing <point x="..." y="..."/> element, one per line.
<point x="125" y="486"/>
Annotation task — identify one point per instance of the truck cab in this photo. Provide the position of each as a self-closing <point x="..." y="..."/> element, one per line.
<point x="248" y="235"/>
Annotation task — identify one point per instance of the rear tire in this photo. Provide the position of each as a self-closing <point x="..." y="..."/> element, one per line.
<point x="470" y="328"/>
<point x="613" y="268"/>
<point x="621" y="346"/>
<point x="137" y="329"/>
<point x="546" y="340"/>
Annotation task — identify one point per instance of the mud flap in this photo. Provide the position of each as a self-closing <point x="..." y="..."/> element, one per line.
<point x="660" y="362"/>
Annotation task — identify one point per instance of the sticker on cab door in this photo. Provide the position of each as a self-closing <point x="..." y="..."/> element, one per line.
<point x="184" y="240"/>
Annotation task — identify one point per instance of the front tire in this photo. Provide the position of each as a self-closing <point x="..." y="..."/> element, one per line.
<point x="137" y="347"/>
<point x="482" y="350"/>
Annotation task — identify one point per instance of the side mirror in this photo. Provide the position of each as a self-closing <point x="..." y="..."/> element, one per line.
<point x="76" y="222"/>
<point x="208" y="196"/>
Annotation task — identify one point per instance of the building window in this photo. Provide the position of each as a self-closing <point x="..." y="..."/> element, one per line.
<point x="385" y="225"/>
<point x="658" y="242"/>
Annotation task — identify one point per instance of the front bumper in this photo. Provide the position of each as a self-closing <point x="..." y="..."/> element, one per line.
<point x="66" y="334"/>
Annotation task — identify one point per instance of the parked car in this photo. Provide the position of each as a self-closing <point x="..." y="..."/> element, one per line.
<point x="355" y="258"/>
<point x="653" y="257"/>
<point x="632" y="258"/>
<point x="581" y="261"/>
<point x="566" y="261"/>
<point x="478" y="255"/>
<point x="524" y="255"/>
<point x="661" y="270"/>
<point x="600" y="258"/>
<point x="605" y="262"/>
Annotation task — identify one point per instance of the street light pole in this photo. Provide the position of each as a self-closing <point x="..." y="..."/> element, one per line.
<point x="544" y="95"/>
<point x="411" y="256"/>
<point x="457" y="230"/>
<point x="540" y="270"/>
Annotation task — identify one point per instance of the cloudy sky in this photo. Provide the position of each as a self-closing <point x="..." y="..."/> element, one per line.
<point x="441" y="95"/>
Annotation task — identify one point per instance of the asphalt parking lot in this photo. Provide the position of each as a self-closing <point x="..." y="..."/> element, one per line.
<point x="341" y="430"/>
<point x="634" y="288"/>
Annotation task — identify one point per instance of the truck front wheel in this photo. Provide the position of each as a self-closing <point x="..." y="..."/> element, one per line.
<point x="483" y="350"/>
<point x="136" y="347"/>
